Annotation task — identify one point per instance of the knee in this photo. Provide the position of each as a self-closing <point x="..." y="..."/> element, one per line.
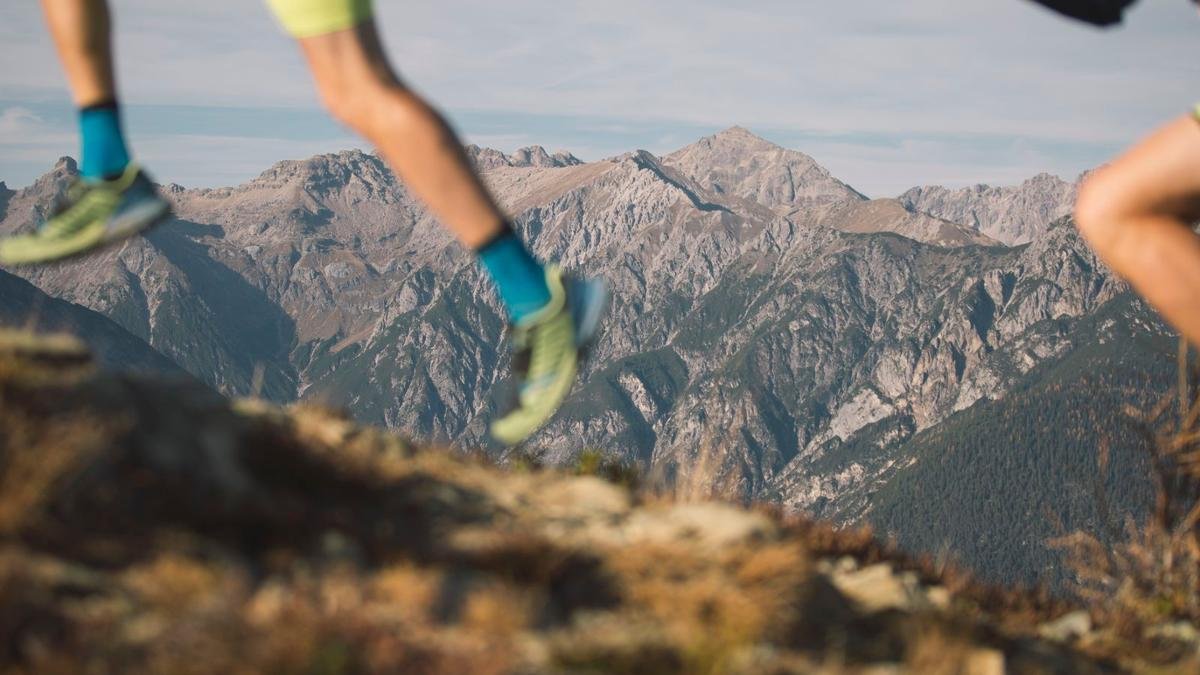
<point x="1101" y="208"/>
<point x="349" y="102"/>
<point x="372" y="107"/>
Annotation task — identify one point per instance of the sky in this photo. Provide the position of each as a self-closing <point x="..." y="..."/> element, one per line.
<point x="886" y="95"/>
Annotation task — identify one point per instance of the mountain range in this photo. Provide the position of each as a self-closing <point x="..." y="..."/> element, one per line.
<point x="774" y="334"/>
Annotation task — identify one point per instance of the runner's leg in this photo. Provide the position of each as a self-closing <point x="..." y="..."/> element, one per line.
<point x="81" y="34"/>
<point x="81" y="30"/>
<point x="360" y="88"/>
<point x="554" y="317"/>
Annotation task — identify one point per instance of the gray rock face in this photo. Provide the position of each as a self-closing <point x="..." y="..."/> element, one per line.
<point x="5" y="195"/>
<point x="25" y="308"/>
<point x="736" y="164"/>
<point x="773" y="333"/>
<point x="1013" y="215"/>
<point x="891" y="215"/>
<point x="487" y="159"/>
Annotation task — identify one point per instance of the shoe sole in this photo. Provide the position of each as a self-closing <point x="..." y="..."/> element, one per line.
<point x="140" y="221"/>
<point x="123" y="229"/>
<point x="586" y="332"/>
<point x="559" y="391"/>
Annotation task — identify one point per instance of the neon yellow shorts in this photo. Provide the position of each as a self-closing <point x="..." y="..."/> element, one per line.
<point x="308" y="18"/>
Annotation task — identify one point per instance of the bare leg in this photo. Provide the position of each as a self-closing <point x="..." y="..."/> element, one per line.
<point x="361" y="90"/>
<point x="1138" y="213"/>
<point x="81" y="33"/>
<point x="114" y="199"/>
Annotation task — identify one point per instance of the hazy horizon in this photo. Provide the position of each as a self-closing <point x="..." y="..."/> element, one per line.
<point x="363" y="148"/>
<point x="934" y="92"/>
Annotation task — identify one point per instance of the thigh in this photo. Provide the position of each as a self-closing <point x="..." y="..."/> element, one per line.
<point x="347" y="62"/>
<point x="310" y="18"/>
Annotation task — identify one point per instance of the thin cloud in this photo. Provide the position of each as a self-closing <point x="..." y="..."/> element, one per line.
<point x="634" y="74"/>
<point x="20" y="125"/>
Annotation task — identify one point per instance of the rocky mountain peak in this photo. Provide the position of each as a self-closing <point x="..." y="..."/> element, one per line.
<point x="32" y="204"/>
<point x="325" y="174"/>
<point x="1045" y="178"/>
<point x="66" y="165"/>
<point x="324" y="167"/>
<point x="740" y="136"/>
<point x="642" y="158"/>
<point x="735" y="142"/>
<point x="534" y="156"/>
<point x="64" y="171"/>
<point x="738" y="163"/>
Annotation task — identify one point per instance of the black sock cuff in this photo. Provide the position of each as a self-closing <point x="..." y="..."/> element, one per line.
<point x="107" y="104"/>
<point x="506" y="230"/>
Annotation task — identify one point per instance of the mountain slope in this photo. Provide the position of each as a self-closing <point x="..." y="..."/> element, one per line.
<point x="891" y="215"/>
<point x="785" y="349"/>
<point x="25" y="307"/>
<point x="997" y="490"/>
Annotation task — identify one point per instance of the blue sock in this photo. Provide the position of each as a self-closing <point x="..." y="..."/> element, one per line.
<point x="103" y="155"/>
<point x="518" y="275"/>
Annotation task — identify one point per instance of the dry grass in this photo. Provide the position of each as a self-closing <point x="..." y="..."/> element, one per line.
<point x="594" y="462"/>
<point x="298" y="542"/>
<point x="941" y="652"/>
<point x="36" y="453"/>
<point x="710" y="610"/>
<point x="189" y="615"/>
<point x="34" y="457"/>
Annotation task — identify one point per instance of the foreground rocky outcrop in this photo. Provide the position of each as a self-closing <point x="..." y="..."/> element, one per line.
<point x="155" y="527"/>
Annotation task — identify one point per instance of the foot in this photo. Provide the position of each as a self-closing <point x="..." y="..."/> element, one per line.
<point x="93" y="215"/>
<point x="548" y="348"/>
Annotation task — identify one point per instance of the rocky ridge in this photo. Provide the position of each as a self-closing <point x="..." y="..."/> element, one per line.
<point x="26" y="307"/>
<point x="1013" y="215"/>
<point x="5" y="195"/>
<point x="533" y="156"/>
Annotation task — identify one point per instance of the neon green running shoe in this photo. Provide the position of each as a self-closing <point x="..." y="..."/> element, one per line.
<point x="548" y="348"/>
<point x="91" y="216"/>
